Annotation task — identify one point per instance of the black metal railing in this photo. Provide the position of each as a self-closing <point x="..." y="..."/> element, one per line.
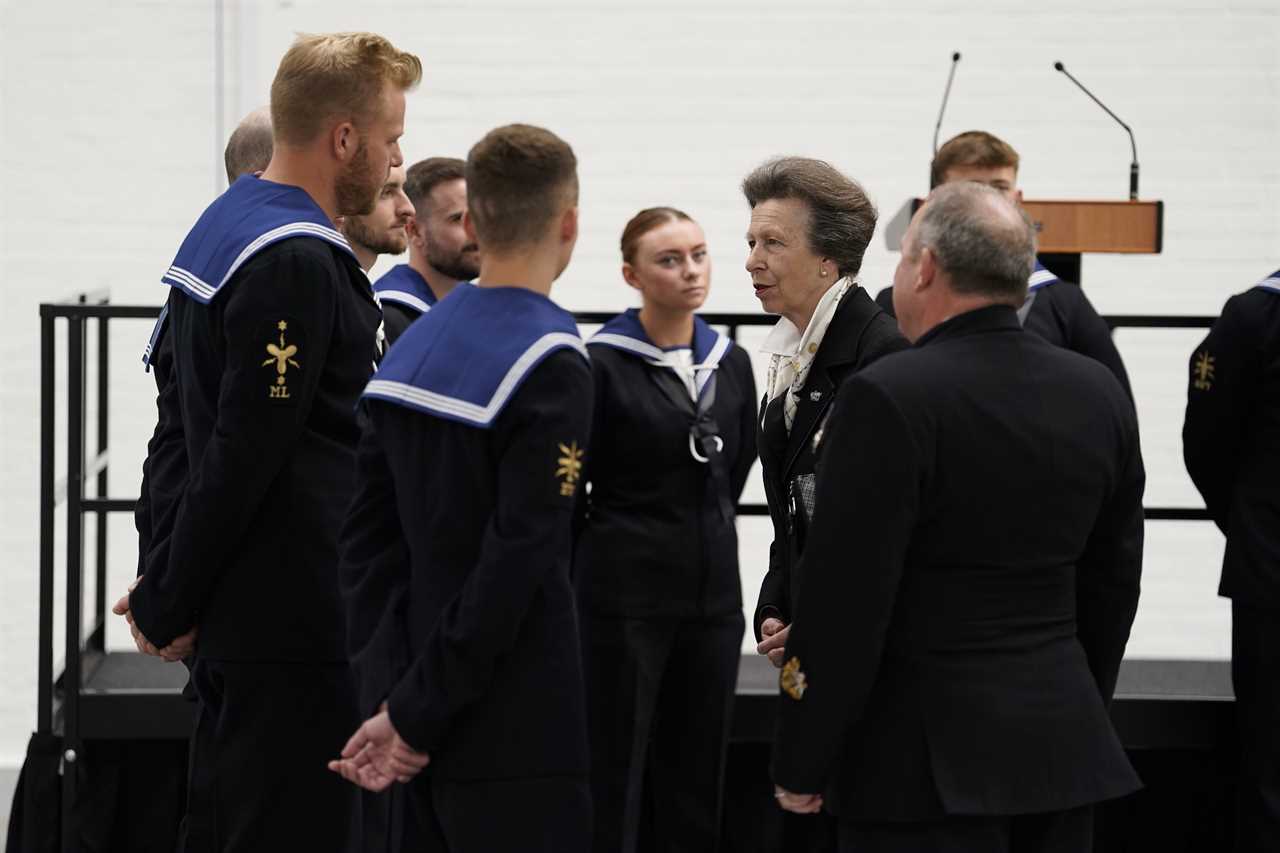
<point x="1155" y="321"/>
<point x="70" y="489"/>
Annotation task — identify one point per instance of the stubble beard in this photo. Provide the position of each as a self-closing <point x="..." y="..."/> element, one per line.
<point x="457" y="265"/>
<point x="356" y="188"/>
<point x="380" y="243"/>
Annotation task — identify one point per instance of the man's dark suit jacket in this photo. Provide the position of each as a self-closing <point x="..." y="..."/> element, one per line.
<point x="961" y="621"/>
<point x="859" y="334"/>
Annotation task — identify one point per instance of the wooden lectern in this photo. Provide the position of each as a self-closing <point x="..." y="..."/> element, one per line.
<point x="1068" y="229"/>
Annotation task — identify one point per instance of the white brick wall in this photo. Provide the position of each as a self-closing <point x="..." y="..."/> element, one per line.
<point x="108" y="149"/>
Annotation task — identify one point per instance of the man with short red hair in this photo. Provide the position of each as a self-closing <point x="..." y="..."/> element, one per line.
<point x="273" y="328"/>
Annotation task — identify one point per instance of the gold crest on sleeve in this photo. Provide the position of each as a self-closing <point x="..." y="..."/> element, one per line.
<point x="794" y="684"/>
<point x="569" y="468"/>
<point x="1202" y="372"/>
<point x="282" y="356"/>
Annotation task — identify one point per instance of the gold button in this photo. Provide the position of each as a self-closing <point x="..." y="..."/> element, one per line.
<point x="813" y="348"/>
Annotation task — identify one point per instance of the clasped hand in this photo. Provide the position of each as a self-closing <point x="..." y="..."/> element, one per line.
<point x="798" y="803"/>
<point x="181" y="647"/>
<point x="774" y="643"/>
<point x="376" y="756"/>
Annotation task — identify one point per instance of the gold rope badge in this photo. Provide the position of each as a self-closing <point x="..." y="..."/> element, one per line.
<point x="794" y="683"/>
<point x="1202" y="372"/>
<point x="282" y="357"/>
<point x="570" y="468"/>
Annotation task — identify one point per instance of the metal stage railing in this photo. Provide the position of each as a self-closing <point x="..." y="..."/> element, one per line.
<point x="64" y="705"/>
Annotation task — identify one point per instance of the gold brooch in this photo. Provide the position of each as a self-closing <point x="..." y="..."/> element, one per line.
<point x="793" y="681"/>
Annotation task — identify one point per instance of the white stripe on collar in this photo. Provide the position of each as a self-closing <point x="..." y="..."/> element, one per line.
<point x="462" y="410"/>
<point x="188" y="280"/>
<point x="649" y="351"/>
<point x="156" y="331"/>
<point x="654" y="355"/>
<point x="712" y="361"/>
<point x="1271" y="283"/>
<point x="1039" y="278"/>
<point x="404" y="298"/>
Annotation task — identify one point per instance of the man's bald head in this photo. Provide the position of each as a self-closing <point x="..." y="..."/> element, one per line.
<point x="984" y="243"/>
<point x="249" y="148"/>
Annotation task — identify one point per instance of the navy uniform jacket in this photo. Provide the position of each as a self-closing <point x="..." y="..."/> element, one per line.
<point x="1231" y="439"/>
<point x="659" y="539"/>
<point x="273" y="328"/>
<point x="164" y="471"/>
<point x="960" y="626"/>
<point x="859" y="334"/>
<point x="1059" y="312"/>
<point x="404" y="296"/>
<point x="459" y="536"/>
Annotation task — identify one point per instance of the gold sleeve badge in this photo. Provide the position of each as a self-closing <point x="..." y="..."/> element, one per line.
<point x="282" y="357"/>
<point x="569" y="468"/>
<point x="793" y="681"/>
<point x="1202" y="372"/>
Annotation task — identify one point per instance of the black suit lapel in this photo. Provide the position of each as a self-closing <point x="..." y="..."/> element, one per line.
<point x="837" y="355"/>
<point x="815" y="397"/>
<point x="773" y="435"/>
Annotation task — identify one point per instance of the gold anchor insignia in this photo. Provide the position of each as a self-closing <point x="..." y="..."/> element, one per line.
<point x="1202" y="372"/>
<point x="282" y="357"/>
<point x="570" y="468"/>
<point x="794" y="684"/>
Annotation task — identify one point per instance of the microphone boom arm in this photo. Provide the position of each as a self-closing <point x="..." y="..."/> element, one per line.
<point x="1133" y="167"/>
<point x="946" y="94"/>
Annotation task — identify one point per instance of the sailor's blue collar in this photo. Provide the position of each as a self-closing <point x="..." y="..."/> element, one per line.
<point x="465" y="358"/>
<point x="404" y="285"/>
<point x="1271" y="282"/>
<point x="1040" y="277"/>
<point x="153" y="343"/>
<point x="626" y="333"/>
<point x="251" y="215"/>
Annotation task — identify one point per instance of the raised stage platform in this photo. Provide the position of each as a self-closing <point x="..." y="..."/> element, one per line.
<point x="1174" y="717"/>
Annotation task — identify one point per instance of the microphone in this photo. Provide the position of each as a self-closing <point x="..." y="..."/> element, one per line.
<point x="955" y="60"/>
<point x="1133" y="167"/>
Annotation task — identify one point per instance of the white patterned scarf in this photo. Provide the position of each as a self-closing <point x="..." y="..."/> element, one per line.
<point x="792" y="353"/>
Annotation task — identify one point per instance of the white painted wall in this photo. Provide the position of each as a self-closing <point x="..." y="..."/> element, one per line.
<point x="112" y="117"/>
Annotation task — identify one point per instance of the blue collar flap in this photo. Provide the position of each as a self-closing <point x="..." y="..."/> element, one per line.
<point x="1271" y="282"/>
<point x="250" y="216"/>
<point x="464" y="359"/>
<point x="154" y="341"/>
<point x="625" y="332"/>
<point x="1040" y="277"/>
<point x="403" y="285"/>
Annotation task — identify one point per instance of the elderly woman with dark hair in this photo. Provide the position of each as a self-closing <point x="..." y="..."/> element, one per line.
<point x="810" y="226"/>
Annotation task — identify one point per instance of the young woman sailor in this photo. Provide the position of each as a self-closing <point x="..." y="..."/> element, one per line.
<point x="656" y="562"/>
